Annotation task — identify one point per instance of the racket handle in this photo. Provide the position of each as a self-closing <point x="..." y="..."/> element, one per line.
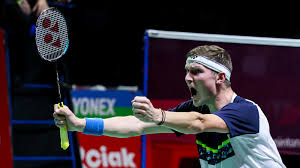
<point x="64" y="139"/>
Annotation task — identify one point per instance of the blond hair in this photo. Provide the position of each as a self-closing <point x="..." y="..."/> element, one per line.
<point x="215" y="53"/>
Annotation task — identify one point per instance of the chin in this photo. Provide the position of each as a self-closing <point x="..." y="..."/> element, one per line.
<point x="200" y="102"/>
<point x="197" y="103"/>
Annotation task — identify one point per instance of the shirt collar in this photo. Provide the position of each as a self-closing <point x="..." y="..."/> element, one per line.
<point x="233" y="97"/>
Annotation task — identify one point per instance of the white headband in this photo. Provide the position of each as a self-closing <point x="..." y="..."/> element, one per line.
<point x="211" y="64"/>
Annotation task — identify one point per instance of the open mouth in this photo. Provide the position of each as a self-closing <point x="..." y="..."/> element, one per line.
<point x="193" y="92"/>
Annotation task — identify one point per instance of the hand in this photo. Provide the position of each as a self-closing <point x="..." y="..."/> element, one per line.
<point x="64" y="116"/>
<point x="39" y="6"/>
<point x="25" y="7"/>
<point x="143" y="110"/>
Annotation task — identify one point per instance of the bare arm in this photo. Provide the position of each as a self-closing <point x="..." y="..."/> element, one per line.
<point x="185" y="122"/>
<point x="194" y="122"/>
<point x="121" y="127"/>
<point x="129" y="126"/>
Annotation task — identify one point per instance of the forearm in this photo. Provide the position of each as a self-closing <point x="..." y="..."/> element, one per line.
<point x="184" y="122"/>
<point x="122" y="127"/>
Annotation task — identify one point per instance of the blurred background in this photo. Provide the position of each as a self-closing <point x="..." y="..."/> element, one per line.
<point x="107" y="48"/>
<point x="106" y="33"/>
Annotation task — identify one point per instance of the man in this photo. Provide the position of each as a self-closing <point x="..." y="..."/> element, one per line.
<point x="230" y="131"/>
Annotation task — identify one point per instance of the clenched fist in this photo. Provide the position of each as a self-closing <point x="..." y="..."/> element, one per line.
<point x="143" y="110"/>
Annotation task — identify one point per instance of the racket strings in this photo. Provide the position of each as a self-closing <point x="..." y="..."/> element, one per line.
<point x="53" y="55"/>
<point x="51" y="35"/>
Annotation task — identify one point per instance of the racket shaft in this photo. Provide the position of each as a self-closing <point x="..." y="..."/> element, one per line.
<point x="64" y="139"/>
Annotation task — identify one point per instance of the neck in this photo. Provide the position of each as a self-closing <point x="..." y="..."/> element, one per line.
<point x="222" y="98"/>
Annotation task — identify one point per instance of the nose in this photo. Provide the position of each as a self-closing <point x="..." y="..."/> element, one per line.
<point x="188" y="78"/>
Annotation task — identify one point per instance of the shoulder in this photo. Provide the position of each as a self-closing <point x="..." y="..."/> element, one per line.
<point x="241" y="116"/>
<point x="241" y="105"/>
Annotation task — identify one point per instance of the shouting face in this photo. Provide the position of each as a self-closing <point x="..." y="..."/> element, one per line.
<point x="201" y="82"/>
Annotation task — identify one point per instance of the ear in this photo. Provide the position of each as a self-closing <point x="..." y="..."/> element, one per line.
<point x="220" y="78"/>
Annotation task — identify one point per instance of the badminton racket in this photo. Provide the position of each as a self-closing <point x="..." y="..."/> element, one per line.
<point x="52" y="42"/>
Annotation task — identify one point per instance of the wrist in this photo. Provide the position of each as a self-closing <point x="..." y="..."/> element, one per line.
<point x="157" y="117"/>
<point x="94" y="126"/>
<point x="81" y="125"/>
<point x="162" y="117"/>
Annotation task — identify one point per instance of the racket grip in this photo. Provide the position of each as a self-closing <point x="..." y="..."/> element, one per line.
<point x="64" y="139"/>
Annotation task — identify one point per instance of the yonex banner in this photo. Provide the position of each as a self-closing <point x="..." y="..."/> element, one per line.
<point x="104" y="104"/>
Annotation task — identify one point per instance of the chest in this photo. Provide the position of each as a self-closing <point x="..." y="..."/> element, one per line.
<point x="214" y="147"/>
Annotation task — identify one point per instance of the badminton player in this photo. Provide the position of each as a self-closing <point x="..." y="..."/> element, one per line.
<point x="231" y="131"/>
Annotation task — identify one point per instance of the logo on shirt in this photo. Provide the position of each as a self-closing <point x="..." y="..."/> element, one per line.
<point x="215" y="155"/>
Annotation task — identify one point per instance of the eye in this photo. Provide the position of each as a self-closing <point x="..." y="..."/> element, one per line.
<point x="196" y="71"/>
<point x="187" y="70"/>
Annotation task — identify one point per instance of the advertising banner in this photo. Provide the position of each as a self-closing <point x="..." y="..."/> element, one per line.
<point x="103" y="104"/>
<point x="103" y="151"/>
<point x="5" y="129"/>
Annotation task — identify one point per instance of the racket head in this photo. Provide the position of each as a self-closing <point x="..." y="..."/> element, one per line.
<point x="51" y="35"/>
